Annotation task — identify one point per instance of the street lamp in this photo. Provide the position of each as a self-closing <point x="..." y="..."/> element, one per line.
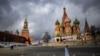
<point x="60" y="38"/>
<point x="4" y="40"/>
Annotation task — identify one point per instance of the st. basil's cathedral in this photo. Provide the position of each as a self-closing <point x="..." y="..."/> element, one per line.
<point x="65" y="32"/>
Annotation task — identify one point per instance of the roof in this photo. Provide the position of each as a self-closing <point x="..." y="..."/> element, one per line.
<point x="76" y="21"/>
<point x="57" y="22"/>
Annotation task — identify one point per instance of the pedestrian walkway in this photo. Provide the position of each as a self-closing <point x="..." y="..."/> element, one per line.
<point x="66" y="52"/>
<point x="32" y="51"/>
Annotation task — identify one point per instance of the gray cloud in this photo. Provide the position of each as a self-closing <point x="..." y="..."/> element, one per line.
<point x="90" y="9"/>
<point x="42" y="14"/>
<point x="87" y="4"/>
<point x="8" y="17"/>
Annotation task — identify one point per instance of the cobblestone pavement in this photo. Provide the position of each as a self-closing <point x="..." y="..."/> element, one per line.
<point x="32" y="51"/>
<point x="84" y="51"/>
<point x="50" y="51"/>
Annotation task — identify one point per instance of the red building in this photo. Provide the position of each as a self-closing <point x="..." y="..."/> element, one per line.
<point x="8" y="37"/>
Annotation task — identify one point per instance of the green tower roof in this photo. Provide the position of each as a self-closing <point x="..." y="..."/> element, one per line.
<point x="76" y="21"/>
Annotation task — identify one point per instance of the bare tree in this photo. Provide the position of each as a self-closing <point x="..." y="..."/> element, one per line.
<point x="46" y="37"/>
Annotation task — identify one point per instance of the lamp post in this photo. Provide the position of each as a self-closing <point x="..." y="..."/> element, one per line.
<point x="60" y="38"/>
<point x="4" y="40"/>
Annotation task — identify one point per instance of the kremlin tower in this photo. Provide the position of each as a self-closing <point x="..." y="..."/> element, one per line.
<point x="25" y="33"/>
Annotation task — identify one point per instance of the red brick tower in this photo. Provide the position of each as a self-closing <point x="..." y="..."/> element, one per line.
<point x="25" y="31"/>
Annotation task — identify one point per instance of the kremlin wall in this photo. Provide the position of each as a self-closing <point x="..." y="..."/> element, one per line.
<point x="7" y="36"/>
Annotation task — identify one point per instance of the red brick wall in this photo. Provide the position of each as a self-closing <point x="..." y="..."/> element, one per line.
<point x="25" y="34"/>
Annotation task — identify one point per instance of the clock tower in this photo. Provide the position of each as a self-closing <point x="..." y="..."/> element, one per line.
<point x="25" y="31"/>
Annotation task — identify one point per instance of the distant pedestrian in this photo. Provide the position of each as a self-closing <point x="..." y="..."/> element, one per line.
<point x="66" y="46"/>
<point x="54" y="55"/>
<point x="38" y="55"/>
<point x="22" y="55"/>
<point x="11" y="47"/>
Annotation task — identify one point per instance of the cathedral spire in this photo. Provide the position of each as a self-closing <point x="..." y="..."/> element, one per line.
<point x="57" y="22"/>
<point x="65" y="16"/>
<point x="86" y="29"/>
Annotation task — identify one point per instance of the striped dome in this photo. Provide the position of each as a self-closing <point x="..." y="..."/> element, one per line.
<point x="67" y="20"/>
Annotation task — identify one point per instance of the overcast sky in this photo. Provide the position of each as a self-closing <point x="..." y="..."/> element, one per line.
<point x="42" y="14"/>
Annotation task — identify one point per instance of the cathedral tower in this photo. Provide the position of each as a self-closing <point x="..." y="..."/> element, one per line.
<point x="57" y="29"/>
<point x="25" y="31"/>
<point x="66" y="23"/>
<point x="86" y="27"/>
<point x="87" y="33"/>
<point x="76" y="28"/>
